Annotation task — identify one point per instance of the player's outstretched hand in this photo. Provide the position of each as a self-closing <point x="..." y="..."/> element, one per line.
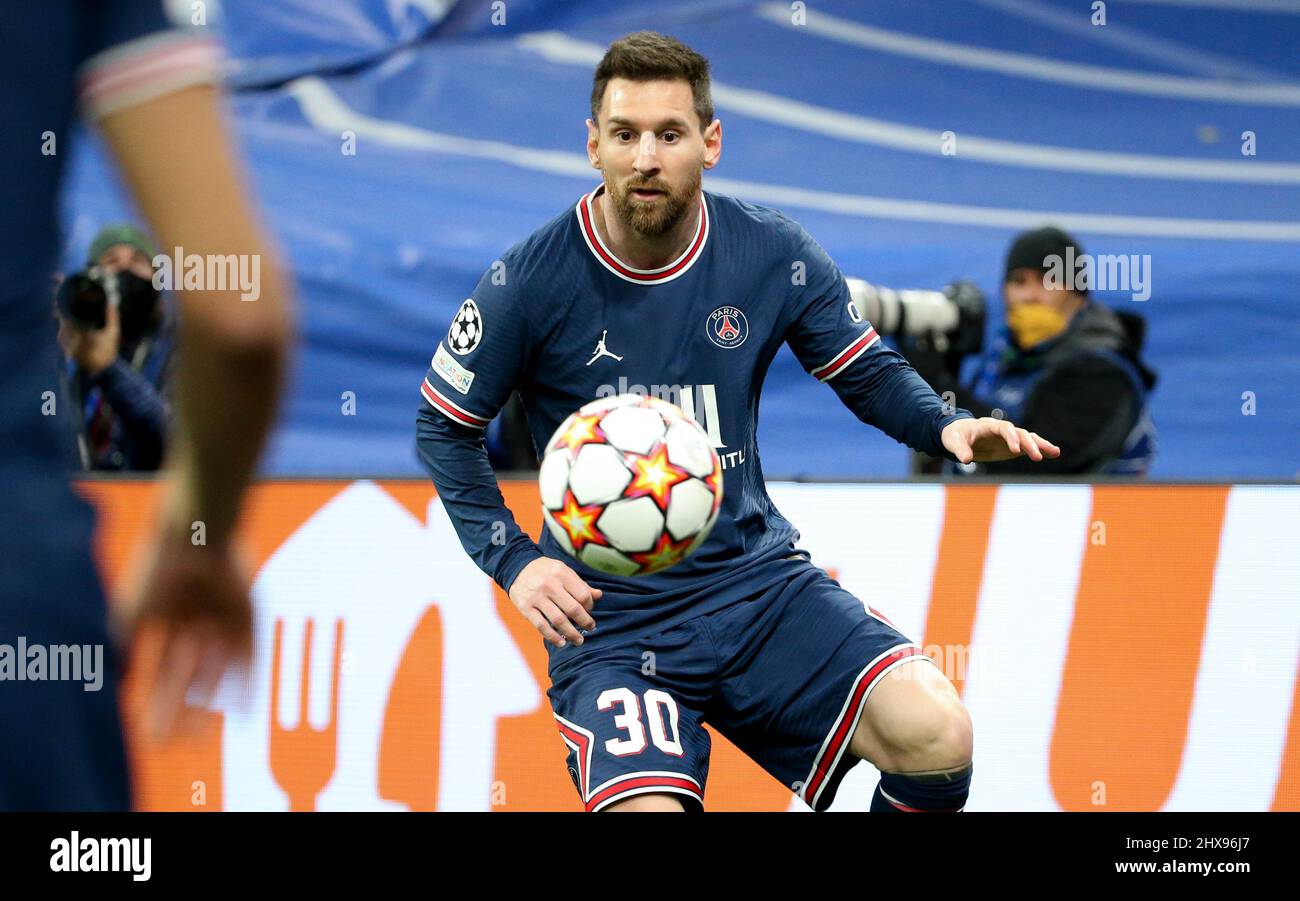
<point x="192" y="603"/>
<point x="988" y="440"/>
<point x="555" y="600"/>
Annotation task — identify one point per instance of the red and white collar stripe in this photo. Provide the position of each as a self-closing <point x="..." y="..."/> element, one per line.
<point x="586" y="212"/>
<point x="841" y="360"/>
<point x="452" y="411"/>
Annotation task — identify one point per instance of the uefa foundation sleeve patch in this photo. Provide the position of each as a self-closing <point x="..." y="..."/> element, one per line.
<point x="452" y="372"/>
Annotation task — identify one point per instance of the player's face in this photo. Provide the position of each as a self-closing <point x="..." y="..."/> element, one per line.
<point x="651" y="148"/>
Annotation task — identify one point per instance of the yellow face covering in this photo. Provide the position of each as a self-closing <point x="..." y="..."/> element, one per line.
<point x="1033" y="323"/>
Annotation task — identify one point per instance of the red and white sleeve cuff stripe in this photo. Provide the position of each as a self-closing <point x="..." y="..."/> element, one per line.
<point x="146" y="68"/>
<point x="452" y="411"/>
<point x="844" y="358"/>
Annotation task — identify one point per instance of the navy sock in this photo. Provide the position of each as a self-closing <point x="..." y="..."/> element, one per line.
<point x="905" y="792"/>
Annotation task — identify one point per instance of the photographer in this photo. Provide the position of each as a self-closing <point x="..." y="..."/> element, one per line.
<point x="117" y="343"/>
<point x="1063" y="365"/>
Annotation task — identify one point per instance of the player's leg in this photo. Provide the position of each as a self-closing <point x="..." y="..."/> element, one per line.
<point x="801" y="667"/>
<point x="916" y="731"/>
<point x="631" y="719"/>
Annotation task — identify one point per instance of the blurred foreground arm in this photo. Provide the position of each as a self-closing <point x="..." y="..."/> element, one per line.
<point x="178" y="162"/>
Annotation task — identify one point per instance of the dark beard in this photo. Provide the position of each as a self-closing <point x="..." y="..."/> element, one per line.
<point x="653" y="221"/>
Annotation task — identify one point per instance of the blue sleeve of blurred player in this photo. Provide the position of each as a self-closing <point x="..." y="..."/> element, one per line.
<point x="114" y="23"/>
<point x="475" y="368"/>
<point x="834" y="344"/>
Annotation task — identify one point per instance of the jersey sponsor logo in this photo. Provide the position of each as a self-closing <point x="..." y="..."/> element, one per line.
<point x="466" y="328"/>
<point x="452" y="372"/>
<point x="727" y="327"/>
<point x="602" y="351"/>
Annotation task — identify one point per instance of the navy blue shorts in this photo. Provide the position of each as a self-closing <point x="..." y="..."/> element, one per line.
<point x="784" y="676"/>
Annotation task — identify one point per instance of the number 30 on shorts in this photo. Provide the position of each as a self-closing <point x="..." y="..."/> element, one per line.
<point x="629" y="719"/>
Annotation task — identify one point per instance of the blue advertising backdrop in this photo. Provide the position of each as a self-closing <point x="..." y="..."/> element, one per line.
<point x="467" y="125"/>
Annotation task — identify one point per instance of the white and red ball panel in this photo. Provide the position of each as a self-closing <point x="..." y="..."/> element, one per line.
<point x="689" y="510"/>
<point x="633" y="429"/>
<point x="632" y="524"/>
<point x="687" y="451"/>
<point x="609" y="560"/>
<point x="558" y="532"/>
<point x="553" y="480"/>
<point x="598" y="474"/>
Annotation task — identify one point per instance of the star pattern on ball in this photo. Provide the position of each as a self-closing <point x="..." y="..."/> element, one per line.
<point x="664" y="554"/>
<point x="579" y="522"/>
<point x="583" y="430"/>
<point x="654" y="475"/>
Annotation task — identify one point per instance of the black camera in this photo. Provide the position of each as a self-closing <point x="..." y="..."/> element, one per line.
<point x="83" y="297"/>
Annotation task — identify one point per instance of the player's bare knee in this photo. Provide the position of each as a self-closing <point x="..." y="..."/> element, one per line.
<point x="915" y="722"/>
<point x="936" y="735"/>
<point x="650" y="803"/>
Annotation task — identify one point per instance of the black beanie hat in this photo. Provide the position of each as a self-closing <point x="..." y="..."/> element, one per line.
<point x="1031" y="248"/>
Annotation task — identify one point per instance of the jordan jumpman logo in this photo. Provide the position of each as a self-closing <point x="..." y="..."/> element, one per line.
<point x="601" y="351"/>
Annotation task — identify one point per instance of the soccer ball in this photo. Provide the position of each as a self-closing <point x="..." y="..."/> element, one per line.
<point x="630" y="485"/>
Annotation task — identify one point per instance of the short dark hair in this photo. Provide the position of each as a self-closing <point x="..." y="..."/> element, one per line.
<point x="651" y="56"/>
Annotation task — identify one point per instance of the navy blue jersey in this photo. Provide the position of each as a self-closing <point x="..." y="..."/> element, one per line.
<point x="561" y="319"/>
<point x="62" y="745"/>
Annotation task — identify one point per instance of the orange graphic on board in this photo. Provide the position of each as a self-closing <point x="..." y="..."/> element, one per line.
<point x="1121" y="718"/>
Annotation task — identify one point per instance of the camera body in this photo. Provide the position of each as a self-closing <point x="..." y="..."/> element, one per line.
<point x="84" y="298"/>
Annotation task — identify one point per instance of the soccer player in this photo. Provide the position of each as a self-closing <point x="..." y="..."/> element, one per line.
<point x="149" y="88"/>
<point x="651" y="279"/>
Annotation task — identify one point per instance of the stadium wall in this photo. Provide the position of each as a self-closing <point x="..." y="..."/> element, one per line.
<point x="1120" y="647"/>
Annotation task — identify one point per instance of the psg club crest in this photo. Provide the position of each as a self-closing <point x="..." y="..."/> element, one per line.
<point x="727" y="327"/>
<point x="466" y="329"/>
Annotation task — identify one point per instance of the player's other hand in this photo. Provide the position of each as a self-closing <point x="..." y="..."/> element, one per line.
<point x="555" y="600"/>
<point x="988" y="440"/>
<point x="190" y="606"/>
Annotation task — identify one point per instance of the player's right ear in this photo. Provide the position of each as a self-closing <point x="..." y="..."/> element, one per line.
<point x="712" y="143"/>
<point x="593" y="144"/>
